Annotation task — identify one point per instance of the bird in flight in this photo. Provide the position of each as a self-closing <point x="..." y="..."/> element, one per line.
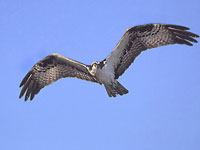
<point x="106" y="72"/>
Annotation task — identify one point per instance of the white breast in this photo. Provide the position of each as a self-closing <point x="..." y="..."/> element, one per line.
<point x="105" y="75"/>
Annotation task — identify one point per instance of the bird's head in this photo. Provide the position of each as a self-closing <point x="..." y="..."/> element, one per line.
<point x="93" y="68"/>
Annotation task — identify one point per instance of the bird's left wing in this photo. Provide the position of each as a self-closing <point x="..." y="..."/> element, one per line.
<point x="50" y="69"/>
<point x="139" y="38"/>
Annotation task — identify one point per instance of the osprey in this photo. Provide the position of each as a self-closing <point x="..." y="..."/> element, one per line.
<point x="134" y="41"/>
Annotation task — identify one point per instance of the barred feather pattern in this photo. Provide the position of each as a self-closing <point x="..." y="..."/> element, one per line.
<point x="49" y="70"/>
<point x="135" y="40"/>
<point x="140" y="38"/>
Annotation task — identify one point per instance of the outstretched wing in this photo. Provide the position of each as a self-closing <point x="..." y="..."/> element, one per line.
<point x="50" y="69"/>
<point x="140" y="38"/>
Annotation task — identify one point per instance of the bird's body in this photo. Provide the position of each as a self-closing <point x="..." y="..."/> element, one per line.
<point x="105" y="74"/>
<point x="135" y="40"/>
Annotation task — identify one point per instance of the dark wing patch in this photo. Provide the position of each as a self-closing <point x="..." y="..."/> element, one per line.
<point x="151" y="36"/>
<point x="50" y="69"/>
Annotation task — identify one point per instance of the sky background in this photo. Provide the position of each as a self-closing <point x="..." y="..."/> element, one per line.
<point x="161" y="110"/>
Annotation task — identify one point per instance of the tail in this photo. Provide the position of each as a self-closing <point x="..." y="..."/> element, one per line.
<point x="115" y="89"/>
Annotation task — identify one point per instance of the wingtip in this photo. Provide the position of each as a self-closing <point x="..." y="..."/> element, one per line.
<point x="20" y="84"/>
<point x="32" y="96"/>
<point x="26" y="96"/>
<point x="20" y="96"/>
<point x="177" y="27"/>
<point x="197" y="36"/>
<point x="182" y="36"/>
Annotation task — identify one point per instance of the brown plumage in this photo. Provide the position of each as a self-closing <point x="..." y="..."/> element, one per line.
<point x="149" y="36"/>
<point x="50" y="69"/>
<point x="135" y="40"/>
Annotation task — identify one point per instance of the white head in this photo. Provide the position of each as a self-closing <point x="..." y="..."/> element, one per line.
<point x="93" y="68"/>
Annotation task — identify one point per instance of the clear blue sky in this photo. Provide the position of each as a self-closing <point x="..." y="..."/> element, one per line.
<point x="162" y="109"/>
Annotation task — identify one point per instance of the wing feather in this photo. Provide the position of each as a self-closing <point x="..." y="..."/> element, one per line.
<point x="140" y="38"/>
<point x="50" y="69"/>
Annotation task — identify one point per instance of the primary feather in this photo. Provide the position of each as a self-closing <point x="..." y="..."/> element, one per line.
<point x="50" y="69"/>
<point x="135" y="40"/>
<point x="140" y="38"/>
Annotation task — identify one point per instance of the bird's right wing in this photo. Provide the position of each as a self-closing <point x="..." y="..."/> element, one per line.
<point x="50" y="69"/>
<point x="143" y="37"/>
